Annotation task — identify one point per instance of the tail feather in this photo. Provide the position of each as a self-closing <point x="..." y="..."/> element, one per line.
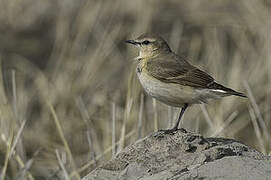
<point x="235" y="93"/>
<point x="216" y="86"/>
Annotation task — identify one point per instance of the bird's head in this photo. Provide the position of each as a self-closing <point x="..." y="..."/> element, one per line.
<point x="150" y="45"/>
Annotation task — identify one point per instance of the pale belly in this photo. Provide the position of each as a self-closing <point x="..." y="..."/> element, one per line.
<point x="171" y="93"/>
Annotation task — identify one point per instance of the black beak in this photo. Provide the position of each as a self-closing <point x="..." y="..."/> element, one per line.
<point x="131" y="42"/>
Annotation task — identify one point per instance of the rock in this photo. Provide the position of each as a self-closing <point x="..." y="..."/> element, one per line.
<point x="184" y="155"/>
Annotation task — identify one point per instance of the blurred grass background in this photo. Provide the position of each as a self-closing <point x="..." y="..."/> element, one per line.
<point x="69" y="92"/>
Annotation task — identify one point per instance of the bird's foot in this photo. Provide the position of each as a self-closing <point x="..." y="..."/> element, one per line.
<point x="173" y="130"/>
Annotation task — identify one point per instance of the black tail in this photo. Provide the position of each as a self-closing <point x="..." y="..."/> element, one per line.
<point x="235" y="93"/>
<point x="229" y="91"/>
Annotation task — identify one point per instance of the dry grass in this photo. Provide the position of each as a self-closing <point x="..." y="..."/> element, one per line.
<point x="69" y="96"/>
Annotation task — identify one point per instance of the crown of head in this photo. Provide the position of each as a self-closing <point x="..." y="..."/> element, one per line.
<point x="150" y="45"/>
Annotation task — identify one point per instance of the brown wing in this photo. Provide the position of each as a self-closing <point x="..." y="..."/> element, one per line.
<point x="176" y="70"/>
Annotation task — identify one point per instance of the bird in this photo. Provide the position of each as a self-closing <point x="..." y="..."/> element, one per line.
<point x="171" y="79"/>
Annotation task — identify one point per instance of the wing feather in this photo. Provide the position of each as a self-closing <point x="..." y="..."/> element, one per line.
<point x="175" y="69"/>
<point x="179" y="71"/>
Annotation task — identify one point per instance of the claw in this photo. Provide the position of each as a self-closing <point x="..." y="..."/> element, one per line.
<point x="173" y="130"/>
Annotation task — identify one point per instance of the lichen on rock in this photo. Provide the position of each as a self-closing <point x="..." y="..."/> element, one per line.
<point x="185" y="155"/>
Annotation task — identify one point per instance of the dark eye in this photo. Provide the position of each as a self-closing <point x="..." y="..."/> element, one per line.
<point x="145" y="42"/>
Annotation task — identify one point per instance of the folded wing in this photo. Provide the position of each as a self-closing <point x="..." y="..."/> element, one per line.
<point x="177" y="70"/>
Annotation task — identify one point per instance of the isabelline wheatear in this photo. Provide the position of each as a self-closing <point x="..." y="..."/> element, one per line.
<point x="171" y="79"/>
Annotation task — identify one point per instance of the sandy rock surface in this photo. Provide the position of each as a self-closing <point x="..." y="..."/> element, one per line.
<point x="185" y="155"/>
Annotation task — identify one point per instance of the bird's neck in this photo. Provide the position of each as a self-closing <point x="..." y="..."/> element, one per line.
<point x="149" y="54"/>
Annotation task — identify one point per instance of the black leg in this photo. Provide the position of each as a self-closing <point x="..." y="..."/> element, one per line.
<point x="175" y="128"/>
<point x="180" y="117"/>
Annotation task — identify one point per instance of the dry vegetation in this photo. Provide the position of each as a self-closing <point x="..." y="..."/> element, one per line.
<point x="69" y="90"/>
